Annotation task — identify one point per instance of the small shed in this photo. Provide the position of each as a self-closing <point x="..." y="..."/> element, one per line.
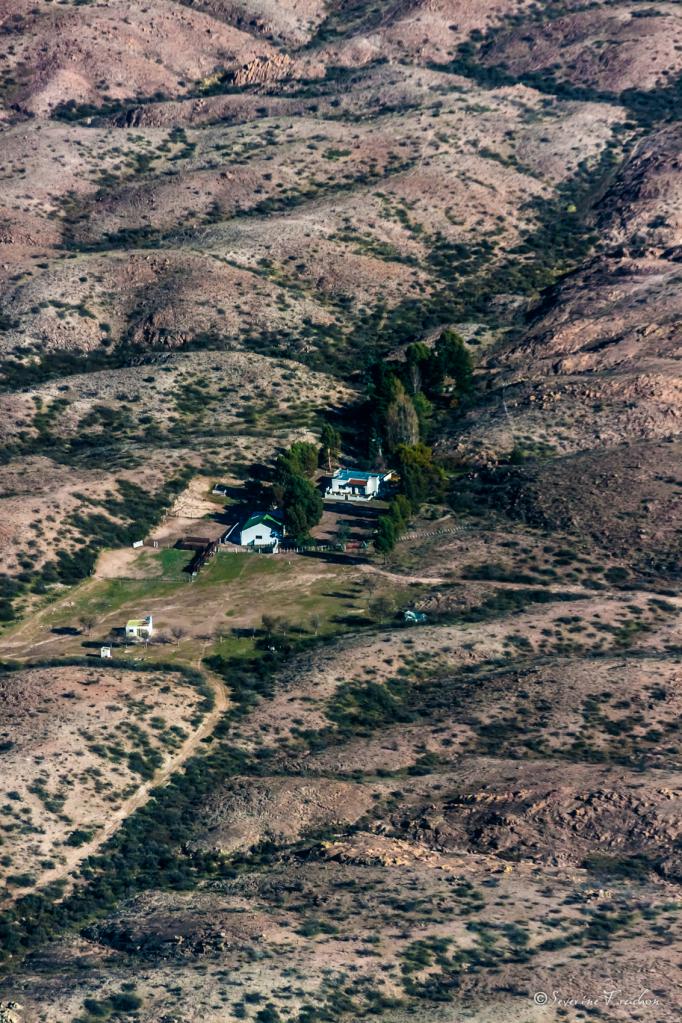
<point x="105" y="652"/>
<point x="139" y="628"/>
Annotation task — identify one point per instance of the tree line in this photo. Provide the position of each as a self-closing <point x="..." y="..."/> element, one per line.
<point x="402" y="397"/>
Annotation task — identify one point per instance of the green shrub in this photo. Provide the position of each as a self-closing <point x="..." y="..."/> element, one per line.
<point x="79" y="837"/>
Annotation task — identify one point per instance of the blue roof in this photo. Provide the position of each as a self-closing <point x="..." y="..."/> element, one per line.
<point x="356" y="474"/>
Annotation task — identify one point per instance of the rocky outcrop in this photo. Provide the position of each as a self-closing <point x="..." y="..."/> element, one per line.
<point x="265" y="69"/>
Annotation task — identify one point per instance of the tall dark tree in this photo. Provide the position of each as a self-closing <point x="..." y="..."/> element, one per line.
<point x="302" y="458"/>
<point x="454" y="361"/>
<point x="302" y="503"/>
<point x="401" y="423"/>
<point x="424" y="410"/>
<point x="417" y="357"/>
<point x="330" y="446"/>
<point x="386" y="536"/>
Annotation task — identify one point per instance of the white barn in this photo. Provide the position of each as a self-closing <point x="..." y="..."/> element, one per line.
<point x="262" y="529"/>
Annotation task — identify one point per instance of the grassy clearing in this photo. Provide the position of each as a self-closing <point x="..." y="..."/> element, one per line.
<point x="221" y="611"/>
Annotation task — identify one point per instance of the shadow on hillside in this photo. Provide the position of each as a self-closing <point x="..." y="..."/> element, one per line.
<point x="334" y="558"/>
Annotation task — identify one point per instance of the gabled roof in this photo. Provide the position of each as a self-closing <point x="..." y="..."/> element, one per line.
<point x="262" y="519"/>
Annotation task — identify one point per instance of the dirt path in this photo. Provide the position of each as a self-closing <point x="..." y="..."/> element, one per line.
<point x="401" y="577"/>
<point x="12" y="640"/>
<point x="438" y="580"/>
<point x="74" y="857"/>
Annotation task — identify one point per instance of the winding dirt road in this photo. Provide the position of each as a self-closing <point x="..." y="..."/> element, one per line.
<point x="75" y="856"/>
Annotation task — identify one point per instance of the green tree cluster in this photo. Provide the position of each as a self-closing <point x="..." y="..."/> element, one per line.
<point x="392" y="524"/>
<point x="420" y="480"/>
<point x="299" y="460"/>
<point x="294" y="490"/>
<point x="402" y="394"/>
<point x="446" y="366"/>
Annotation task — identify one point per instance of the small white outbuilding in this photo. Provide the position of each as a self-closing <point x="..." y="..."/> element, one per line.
<point x="139" y="628"/>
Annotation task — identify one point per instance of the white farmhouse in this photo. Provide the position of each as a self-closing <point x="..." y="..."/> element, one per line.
<point x="140" y="628"/>
<point x="357" y="485"/>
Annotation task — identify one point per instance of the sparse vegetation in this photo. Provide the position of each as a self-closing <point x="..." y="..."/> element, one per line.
<point x="428" y="758"/>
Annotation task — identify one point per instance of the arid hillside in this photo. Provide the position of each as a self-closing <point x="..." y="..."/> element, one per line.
<point x="424" y="762"/>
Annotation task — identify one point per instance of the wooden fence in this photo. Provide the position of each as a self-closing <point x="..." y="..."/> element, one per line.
<point x="418" y="534"/>
<point x="217" y="547"/>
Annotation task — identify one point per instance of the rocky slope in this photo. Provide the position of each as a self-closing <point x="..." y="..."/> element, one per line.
<point x="215" y="215"/>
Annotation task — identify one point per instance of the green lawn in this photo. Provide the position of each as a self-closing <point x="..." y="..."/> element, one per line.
<point x="106" y="595"/>
<point x="227" y="566"/>
<point x="233" y="590"/>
